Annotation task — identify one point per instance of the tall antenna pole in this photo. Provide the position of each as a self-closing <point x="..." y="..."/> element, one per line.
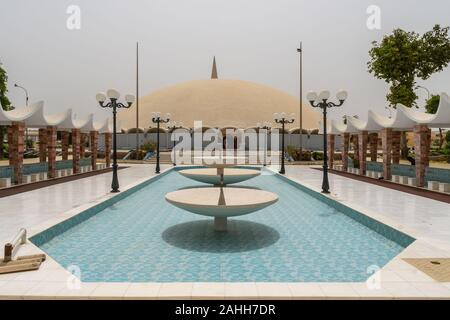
<point x="137" y="100"/>
<point x="300" y="51"/>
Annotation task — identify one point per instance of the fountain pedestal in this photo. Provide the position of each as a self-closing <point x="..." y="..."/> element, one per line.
<point x="221" y="203"/>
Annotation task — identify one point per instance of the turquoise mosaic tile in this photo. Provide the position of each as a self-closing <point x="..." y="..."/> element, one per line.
<point x="6" y="172"/>
<point x="304" y="237"/>
<point x="35" y="168"/>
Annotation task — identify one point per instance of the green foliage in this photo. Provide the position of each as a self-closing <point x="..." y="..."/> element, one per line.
<point x="6" y="104"/>
<point x="447" y="138"/>
<point x="317" y="155"/>
<point x="432" y="104"/>
<point x="29" y="143"/>
<point x="403" y="56"/>
<point x="148" y="146"/>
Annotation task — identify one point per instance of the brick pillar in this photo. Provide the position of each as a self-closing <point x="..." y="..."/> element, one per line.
<point x="429" y="148"/>
<point x="42" y="145"/>
<point x="362" y="139"/>
<point x="331" y="140"/>
<point x="16" y="139"/>
<point x="82" y="145"/>
<point x="94" y="145"/>
<point x="373" y="140"/>
<point x="355" y="146"/>
<point x="421" y="148"/>
<point x="345" y="147"/>
<point x="386" y="141"/>
<point x="396" y="136"/>
<point x="65" y="145"/>
<point x="51" y="151"/>
<point x="108" y="143"/>
<point x="76" y="136"/>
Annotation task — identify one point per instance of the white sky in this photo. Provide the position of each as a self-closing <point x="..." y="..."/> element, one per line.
<point x="253" y="40"/>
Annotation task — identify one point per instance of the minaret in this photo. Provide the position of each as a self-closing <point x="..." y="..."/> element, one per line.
<point x="214" y="69"/>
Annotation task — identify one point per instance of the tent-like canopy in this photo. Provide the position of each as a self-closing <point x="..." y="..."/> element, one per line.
<point x="34" y="117"/>
<point x="403" y="119"/>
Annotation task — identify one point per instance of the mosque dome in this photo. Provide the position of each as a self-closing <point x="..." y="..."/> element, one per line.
<point x="219" y="103"/>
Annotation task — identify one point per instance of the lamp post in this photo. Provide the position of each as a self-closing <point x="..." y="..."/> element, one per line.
<point x="300" y="51"/>
<point x="321" y="101"/>
<point x="172" y="126"/>
<point x="113" y="96"/>
<point x="266" y="126"/>
<point x="27" y="97"/>
<point x="158" y="119"/>
<point x="283" y="119"/>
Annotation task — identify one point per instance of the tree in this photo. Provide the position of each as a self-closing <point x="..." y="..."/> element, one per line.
<point x="6" y="104"/>
<point x="403" y="57"/>
<point x="431" y="107"/>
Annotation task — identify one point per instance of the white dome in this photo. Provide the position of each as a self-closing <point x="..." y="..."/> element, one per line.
<point x="219" y="103"/>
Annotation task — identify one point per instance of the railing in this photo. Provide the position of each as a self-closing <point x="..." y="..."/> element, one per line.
<point x="13" y="246"/>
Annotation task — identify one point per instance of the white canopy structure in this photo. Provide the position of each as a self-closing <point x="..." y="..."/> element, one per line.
<point x="404" y="119"/>
<point x="389" y="128"/>
<point x="33" y="116"/>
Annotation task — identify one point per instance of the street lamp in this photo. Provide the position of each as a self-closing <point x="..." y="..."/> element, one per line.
<point x="266" y="126"/>
<point x="113" y="96"/>
<point x="321" y="101"/>
<point x="283" y="119"/>
<point x="26" y="93"/>
<point x="158" y="119"/>
<point x="27" y="97"/>
<point x="172" y="126"/>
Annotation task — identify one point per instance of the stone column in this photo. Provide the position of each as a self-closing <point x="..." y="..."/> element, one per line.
<point x="373" y="139"/>
<point x="76" y="136"/>
<point x="429" y="148"/>
<point x="362" y="139"/>
<point x="331" y="140"/>
<point x="421" y="148"/>
<point x="108" y="143"/>
<point x="345" y="147"/>
<point x="386" y="141"/>
<point x="82" y="145"/>
<point x="51" y="151"/>
<point x="396" y="136"/>
<point x="16" y="140"/>
<point x="355" y="146"/>
<point x="94" y="145"/>
<point x="65" y="145"/>
<point x="42" y="145"/>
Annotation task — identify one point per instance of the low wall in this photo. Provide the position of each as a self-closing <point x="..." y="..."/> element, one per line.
<point x="431" y="174"/>
<point x="127" y="141"/>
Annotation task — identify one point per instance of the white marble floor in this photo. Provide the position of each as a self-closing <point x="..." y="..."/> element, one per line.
<point x="28" y="209"/>
<point x="425" y="219"/>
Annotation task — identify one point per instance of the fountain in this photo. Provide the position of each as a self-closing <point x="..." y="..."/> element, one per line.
<point x="221" y="202"/>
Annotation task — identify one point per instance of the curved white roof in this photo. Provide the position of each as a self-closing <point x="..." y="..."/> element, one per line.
<point x="403" y="119"/>
<point x="33" y="116"/>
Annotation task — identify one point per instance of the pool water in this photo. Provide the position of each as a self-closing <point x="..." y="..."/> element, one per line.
<point x="301" y="238"/>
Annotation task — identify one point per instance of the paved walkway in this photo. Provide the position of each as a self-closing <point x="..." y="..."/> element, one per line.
<point x="425" y="219"/>
<point x="32" y="208"/>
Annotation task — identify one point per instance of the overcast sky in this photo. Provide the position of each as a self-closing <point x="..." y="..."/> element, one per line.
<point x="253" y="40"/>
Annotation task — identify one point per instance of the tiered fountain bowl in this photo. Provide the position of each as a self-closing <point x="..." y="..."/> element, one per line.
<point x="221" y="202"/>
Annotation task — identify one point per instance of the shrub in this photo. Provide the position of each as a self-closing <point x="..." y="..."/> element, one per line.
<point x="148" y="146"/>
<point x="317" y="155"/>
<point x="295" y="154"/>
